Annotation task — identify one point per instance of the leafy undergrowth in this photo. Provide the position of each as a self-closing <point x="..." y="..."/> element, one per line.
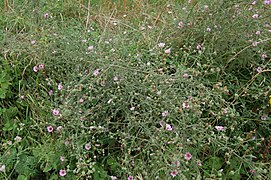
<point x="143" y="90"/>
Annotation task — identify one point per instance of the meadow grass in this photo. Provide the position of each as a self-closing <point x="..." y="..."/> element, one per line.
<point x="135" y="89"/>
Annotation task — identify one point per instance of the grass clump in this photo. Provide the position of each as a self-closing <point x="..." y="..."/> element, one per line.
<point x="99" y="90"/>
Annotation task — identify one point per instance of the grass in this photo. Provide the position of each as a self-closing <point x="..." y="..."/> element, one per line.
<point x="135" y="90"/>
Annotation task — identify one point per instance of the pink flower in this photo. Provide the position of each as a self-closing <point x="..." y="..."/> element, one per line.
<point x="130" y="178"/>
<point x="165" y="113"/>
<point x="167" y="51"/>
<point x="59" y="86"/>
<point x="55" y="112"/>
<point x="185" y="105"/>
<point x="264" y="56"/>
<point x="33" y="42"/>
<point x="113" y="177"/>
<point x="267" y="2"/>
<point x="81" y="100"/>
<point x="116" y="78"/>
<point x="90" y="48"/>
<point x="161" y="45"/>
<point x="185" y="75"/>
<point x="96" y="72"/>
<point x="199" y="163"/>
<point x="258" y="32"/>
<point x="59" y="128"/>
<point x="208" y="29"/>
<point x="62" y="172"/>
<point x="46" y="15"/>
<point x="41" y="66"/>
<point x="199" y="46"/>
<point x="51" y="92"/>
<point x="132" y="108"/>
<point x="220" y="128"/>
<point x="50" y="129"/>
<point x="133" y="163"/>
<point x="35" y="69"/>
<point x="168" y="127"/>
<point x="87" y="146"/>
<point x="180" y="25"/>
<point x="174" y="173"/>
<point x="2" y="168"/>
<point x="254" y="2"/>
<point x="259" y="70"/>
<point x="62" y="158"/>
<point x="18" y="139"/>
<point x="255" y="16"/>
<point x="187" y="156"/>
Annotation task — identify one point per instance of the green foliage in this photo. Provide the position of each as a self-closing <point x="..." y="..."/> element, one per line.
<point x="87" y="91"/>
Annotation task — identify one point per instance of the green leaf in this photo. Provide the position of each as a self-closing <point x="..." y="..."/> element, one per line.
<point x="47" y="168"/>
<point x="26" y="165"/>
<point x="214" y="163"/>
<point x="22" y="177"/>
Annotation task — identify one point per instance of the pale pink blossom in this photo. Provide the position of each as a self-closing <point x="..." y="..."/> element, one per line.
<point x="132" y="108"/>
<point x="96" y="72"/>
<point x="199" y="46"/>
<point x="185" y="75"/>
<point x="255" y="16"/>
<point x="180" y="25"/>
<point x="130" y="178"/>
<point x="46" y="15"/>
<point x="168" y="127"/>
<point x="2" y="168"/>
<point x="165" y="113"/>
<point x="174" y="173"/>
<point x="199" y="163"/>
<point x="62" y="158"/>
<point x="35" y="69"/>
<point x="161" y="45"/>
<point x="90" y="48"/>
<point x="41" y="66"/>
<point x="113" y="177"/>
<point x="220" y="128"/>
<point x="264" y="56"/>
<point x="167" y="51"/>
<point x="55" y="112"/>
<point x="187" y="156"/>
<point x="33" y="42"/>
<point x="267" y="2"/>
<point x="51" y="92"/>
<point x="18" y="139"/>
<point x="62" y="172"/>
<point x="116" y="78"/>
<point x="50" y="129"/>
<point x="59" y="86"/>
<point x="185" y="105"/>
<point x="258" y="32"/>
<point x="208" y="29"/>
<point x="87" y="146"/>
<point x="259" y="70"/>
<point x="59" y="128"/>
